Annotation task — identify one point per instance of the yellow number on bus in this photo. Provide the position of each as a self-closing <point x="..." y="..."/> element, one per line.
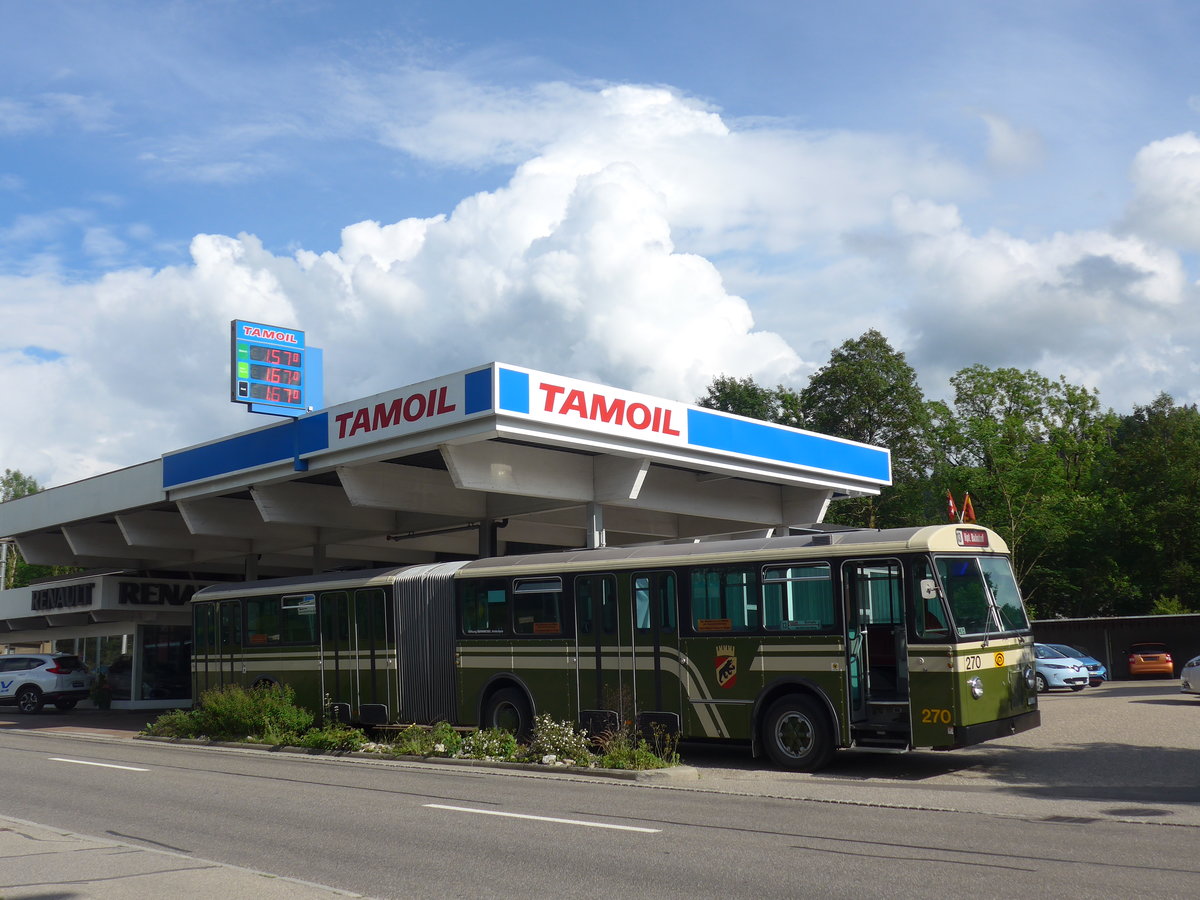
<point x="936" y="716"/>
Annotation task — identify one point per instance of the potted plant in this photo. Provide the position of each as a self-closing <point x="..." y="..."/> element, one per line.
<point x="101" y="693"/>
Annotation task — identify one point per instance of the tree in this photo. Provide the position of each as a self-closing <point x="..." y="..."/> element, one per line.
<point x="14" y="484"/>
<point x="16" y="572"/>
<point x="746" y="397"/>
<point x="1150" y="533"/>
<point x="868" y="392"/>
<point x="1026" y="448"/>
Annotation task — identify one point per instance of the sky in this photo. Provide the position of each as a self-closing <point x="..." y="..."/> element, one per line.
<point x="641" y="193"/>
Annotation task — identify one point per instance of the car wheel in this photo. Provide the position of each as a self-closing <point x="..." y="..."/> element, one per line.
<point x="797" y="734"/>
<point x="1042" y="686"/>
<point x="64" y="705"/>
<point x="508" y="709"/>
<point x="1078" y="687"/>
<point x="29" y="700"/>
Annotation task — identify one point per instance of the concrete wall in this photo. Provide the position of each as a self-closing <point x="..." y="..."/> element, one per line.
<point x="1108" y="639"/>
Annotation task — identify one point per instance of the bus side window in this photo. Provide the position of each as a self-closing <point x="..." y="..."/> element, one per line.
<point x="654" y="599"/>
<point x="483" y="607"/>
<point x="798" y="597"/>
<point x="537" y="606"/>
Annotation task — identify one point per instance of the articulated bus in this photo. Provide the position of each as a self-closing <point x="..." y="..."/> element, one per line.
<point x="796" y="645"/>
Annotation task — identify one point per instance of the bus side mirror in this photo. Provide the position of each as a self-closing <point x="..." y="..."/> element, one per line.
<point x="929" y="589"/>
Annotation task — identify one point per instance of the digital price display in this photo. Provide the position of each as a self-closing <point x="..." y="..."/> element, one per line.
<point x="268" y="366"/>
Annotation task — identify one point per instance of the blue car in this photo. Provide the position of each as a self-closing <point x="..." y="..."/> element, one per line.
<point x="1097" y="673"/>
<point x="1057" y="670"/>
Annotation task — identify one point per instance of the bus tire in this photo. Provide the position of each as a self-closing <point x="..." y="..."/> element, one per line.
<point x="797" y="734"/>
<point x="508" y="709"/>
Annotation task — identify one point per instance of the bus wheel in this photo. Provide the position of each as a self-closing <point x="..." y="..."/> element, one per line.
<point x="508" y="709"/>
<point x="797" y="734"/>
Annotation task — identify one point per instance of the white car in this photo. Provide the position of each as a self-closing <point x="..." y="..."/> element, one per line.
<point x="1190" y="676"/>
<point x="1056" y="670"/>
<point x="31" y="680"/>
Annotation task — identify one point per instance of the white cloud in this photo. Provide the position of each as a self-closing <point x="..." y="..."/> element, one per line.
<point x="1166" y="201"/>
<point x="641" y="241"/>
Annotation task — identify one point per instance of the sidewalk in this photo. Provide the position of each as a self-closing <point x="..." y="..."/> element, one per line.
<point x="41" y="862"/>
<point x="108" y="722"/>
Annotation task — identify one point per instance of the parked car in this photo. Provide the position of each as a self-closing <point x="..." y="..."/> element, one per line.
<point x="31" y="680"/>
<point x="1151" y="659"/>
<point x="1190" y="676"/>
<point x="1097" y="672"/>
<point x="1057" y="670"/>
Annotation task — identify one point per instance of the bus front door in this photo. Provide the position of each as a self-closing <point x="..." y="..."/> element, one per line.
<point x="877" y="653"/>
<point x="654" y="653"/>
<point x="605" y="700"/>
<point x="357" y="656"/>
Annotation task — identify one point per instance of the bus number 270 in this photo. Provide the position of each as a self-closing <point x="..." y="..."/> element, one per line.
<point x="936" y="716"/>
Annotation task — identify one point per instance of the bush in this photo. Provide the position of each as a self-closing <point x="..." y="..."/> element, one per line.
<point x="417" y="740"/>
<point x="268" y="714"/>
<point x="625" y="750"/>
<point x="489" y="743"/>
<point x="560" y="740"/>
<point x="332" y="738"/>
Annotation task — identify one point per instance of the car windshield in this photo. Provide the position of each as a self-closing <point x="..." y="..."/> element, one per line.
<point x="70" y="663"/>
<point x="1068" y="651"/>
<point x="980" y="589"/>
<point x="1042" y="651"/>
<point x="1143" y="649"/>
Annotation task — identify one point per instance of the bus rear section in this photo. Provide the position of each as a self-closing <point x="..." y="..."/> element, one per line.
<point x="371" y="647"/>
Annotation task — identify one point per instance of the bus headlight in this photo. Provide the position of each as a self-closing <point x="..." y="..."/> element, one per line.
<point x="976" y="684"/>
<point x="1030" y="678"/>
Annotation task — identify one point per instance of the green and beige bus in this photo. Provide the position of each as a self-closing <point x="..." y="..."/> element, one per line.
<point x="796" y="645"/>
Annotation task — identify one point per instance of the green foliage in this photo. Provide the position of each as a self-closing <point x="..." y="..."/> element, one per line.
<point x="446" y="740"/>
<point x="417" y="740"/>
<point x="489" y="743"/>
<point x="625" y="750"/>
<point x="560" y="740"/>
<point x="232" y="713"/>
<point x="335" y="738"/>
<point x="745" y="397"/>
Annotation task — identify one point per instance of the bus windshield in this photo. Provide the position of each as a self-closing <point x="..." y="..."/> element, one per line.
<point x="982" y="594"/>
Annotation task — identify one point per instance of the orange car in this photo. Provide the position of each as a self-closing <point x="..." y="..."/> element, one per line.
<point x="1151" y="659"/>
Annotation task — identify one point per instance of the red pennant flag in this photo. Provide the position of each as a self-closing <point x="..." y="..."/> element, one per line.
<point x="951" y="509"/>
<point x="968" y="509"/>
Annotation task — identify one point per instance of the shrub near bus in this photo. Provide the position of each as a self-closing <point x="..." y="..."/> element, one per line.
<point x="796" y="645"/>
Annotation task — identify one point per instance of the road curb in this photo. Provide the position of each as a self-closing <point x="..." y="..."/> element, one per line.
<point x="670" y="775"/>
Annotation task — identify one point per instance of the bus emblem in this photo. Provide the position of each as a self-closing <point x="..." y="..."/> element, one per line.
<point x="726" y="664"/>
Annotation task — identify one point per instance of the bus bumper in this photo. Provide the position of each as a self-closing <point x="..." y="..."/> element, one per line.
<point x="967" y="735"/>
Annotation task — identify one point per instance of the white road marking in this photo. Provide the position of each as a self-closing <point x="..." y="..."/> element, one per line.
<point x="84" y="762"/>
<point x="492" y="812"/>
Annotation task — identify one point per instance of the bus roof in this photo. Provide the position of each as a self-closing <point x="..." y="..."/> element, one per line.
<point x="930" y="538"/>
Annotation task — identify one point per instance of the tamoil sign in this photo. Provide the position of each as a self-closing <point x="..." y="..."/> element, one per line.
<point x="268" y="366"/>
<point x="570" y="403"/>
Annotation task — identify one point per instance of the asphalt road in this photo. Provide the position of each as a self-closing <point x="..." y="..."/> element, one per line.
<point x="1076" y="807"/>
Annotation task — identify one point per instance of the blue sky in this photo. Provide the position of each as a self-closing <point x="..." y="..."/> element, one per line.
<point x="645" y="194"/>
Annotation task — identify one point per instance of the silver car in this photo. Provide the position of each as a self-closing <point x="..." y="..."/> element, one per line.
<point x="31" y="680"/>
<point x="1189" y="678"/>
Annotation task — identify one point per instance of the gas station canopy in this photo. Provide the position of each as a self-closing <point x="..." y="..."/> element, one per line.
<point x="492" y="460"/>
